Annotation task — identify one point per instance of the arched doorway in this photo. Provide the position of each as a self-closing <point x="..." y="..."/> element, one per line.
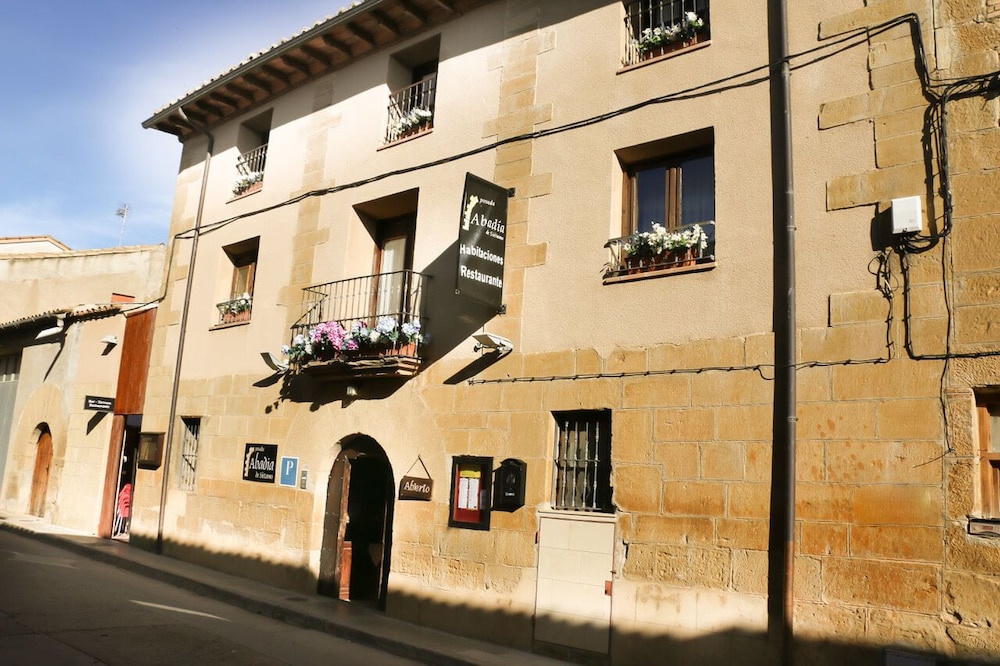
<point x="40" y="477"/>
<point x="357" y="529"/>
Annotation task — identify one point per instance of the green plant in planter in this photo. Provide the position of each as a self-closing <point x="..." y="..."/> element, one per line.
<point x="653" y="38"/>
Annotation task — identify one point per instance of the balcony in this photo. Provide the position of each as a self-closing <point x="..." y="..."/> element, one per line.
<point x="654" y="28"/>
<point x="250" y="171"/>
<point x="235" y="311"/>
<point x="364" y="327"/>
<point x="661" y="251"/>
<point x="411" y="110"/>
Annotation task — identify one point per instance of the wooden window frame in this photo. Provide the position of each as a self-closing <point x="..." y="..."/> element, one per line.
<point x="673" y="204"/>
<point x="244" y="262"/>
<point x="989" y="460"/>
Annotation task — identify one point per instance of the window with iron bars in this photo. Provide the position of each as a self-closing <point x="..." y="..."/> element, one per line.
<point x="657" y="27"/>
<point x="189" y="452"/>
<point x="582" y="462"/>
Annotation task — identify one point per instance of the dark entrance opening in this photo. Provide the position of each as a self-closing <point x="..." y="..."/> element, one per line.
<point x="357" y="531"/>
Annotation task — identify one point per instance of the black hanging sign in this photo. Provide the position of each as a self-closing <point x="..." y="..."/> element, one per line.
<point x="98" y="404"/>
<point x="482" y="242"/>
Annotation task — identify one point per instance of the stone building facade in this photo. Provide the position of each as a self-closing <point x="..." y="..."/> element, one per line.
<point x="73" y="356"/>
<point x="325" y="181"/>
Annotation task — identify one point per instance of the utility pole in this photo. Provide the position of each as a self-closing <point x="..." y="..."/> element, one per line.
<point x="122" y="212"/>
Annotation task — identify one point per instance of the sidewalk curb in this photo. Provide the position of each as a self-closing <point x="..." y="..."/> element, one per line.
<point x="276" y="611"/>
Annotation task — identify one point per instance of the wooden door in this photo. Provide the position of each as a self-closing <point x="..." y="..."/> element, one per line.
<point x="334" y="562"/>
<point x="40" y="477"/>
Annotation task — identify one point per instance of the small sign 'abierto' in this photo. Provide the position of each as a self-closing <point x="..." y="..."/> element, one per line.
<point x="415" y="488"/>
<point x="260" y="462"/>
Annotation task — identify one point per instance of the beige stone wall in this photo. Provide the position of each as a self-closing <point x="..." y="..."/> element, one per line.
<point x="886" y="470"/>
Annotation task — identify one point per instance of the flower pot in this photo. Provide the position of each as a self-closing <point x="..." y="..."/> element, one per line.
<point x="670" y="47"/>
<point x="682" y="257"/>
<point x="235" y="317"/>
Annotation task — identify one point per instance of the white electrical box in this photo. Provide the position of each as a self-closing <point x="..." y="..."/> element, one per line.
<point x="906" y="215"/>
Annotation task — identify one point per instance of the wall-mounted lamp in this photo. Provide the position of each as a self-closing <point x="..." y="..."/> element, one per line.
<point x="274" y="362"/>
<point x="54" y="330"/>
<point x="492" y="343"/>
<point x="351" y="391"/>
<point x="110" y="340"/>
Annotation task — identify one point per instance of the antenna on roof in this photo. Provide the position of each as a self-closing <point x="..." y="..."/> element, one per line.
<point x="122" y="212"/>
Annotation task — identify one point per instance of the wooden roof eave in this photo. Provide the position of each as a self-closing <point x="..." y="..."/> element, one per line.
<point x="329" y="46"/>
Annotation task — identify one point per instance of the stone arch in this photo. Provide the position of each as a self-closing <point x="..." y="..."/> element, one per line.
<point x="357" y="528"/>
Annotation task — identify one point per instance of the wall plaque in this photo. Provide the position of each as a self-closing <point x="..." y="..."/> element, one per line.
<point x="260" y="462"/>
<point x="98" y="404"/>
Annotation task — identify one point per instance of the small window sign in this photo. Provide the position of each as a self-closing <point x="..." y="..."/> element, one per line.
<point x="150" y="450"/>
<point x="470" y="492"/>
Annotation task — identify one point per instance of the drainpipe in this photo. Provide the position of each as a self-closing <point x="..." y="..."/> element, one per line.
<point x="185" y="309"/>
<point x="781" y="539"/>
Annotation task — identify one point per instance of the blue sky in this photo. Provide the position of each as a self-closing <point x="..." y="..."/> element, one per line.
<point x="80" y="77"/>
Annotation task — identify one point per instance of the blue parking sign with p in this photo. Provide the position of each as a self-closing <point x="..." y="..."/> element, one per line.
<point x="289" y="471"/>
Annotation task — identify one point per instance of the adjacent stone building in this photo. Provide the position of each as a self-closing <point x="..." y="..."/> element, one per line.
<point x="75" y="333"/>
<point x="531" y="241"/>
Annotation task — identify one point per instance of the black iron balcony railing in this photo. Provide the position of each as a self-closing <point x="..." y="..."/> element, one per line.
<point x="250" y="170"/>
<point x="661" y="249"/>
<point x="368" y="323"/>
<point x="411" y="110"/>
<point x="656" y="27"/>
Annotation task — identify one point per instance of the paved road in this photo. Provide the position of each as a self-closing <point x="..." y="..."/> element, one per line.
<point x="60" y="608"/>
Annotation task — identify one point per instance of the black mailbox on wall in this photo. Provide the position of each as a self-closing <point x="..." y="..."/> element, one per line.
<point x="508" y="485"/>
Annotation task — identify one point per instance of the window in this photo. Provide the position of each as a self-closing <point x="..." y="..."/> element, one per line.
<point x="668" y="206"/>
<point x="413" y="81"/>
<point x="988" y="412"/>
<point x="189" y="452"/>
<point x="252" y="143"/>
<point x="239" y="304"/>
<point x="10" y="367"/>
<point x="657" y="27"/>
<point x="674" y="193"/>
<point x="582" y="464"/>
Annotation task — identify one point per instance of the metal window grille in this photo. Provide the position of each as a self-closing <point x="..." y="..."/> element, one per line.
<point x="252" y="161"/>
<point x="583" y="462"/>
<point x="411" y="109"/>
<point x="189" y="452"/>
<point x="649" y="15"/>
